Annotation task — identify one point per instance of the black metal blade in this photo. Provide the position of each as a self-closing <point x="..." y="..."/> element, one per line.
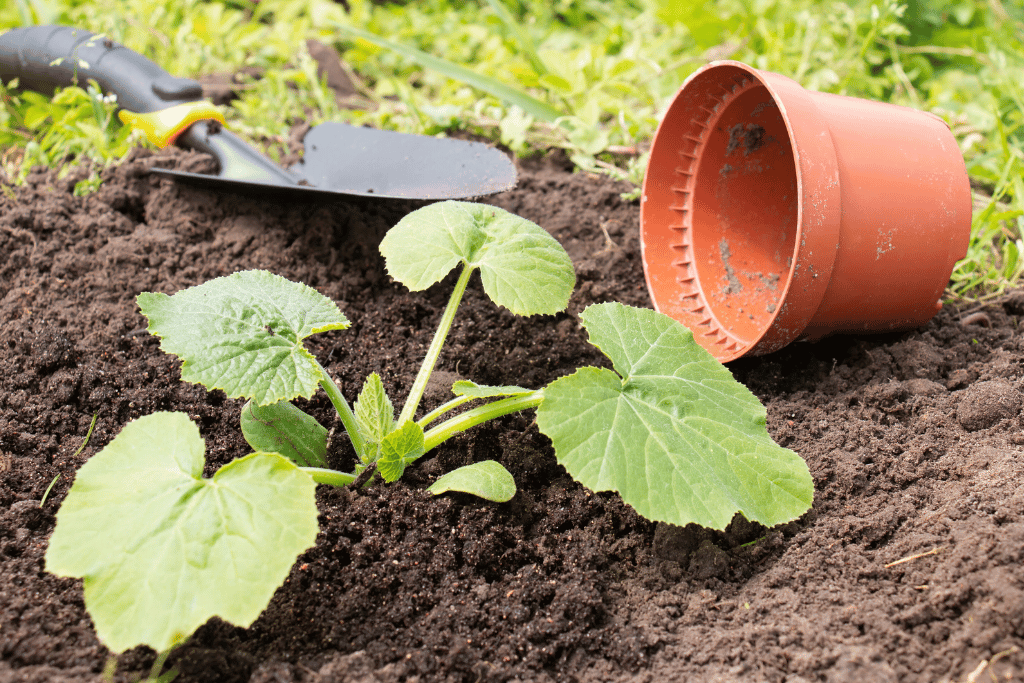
<point x="365" y="162"/>
<point x="381" y="163"/>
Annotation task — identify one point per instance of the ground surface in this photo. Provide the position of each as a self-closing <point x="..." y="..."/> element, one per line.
<point x="914" y="441"/>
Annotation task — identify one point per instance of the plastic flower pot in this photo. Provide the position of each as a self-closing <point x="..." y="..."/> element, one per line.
<point x="771" y="213"/>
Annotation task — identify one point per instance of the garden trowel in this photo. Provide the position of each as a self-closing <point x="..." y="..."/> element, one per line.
<point x="338" y="158"/>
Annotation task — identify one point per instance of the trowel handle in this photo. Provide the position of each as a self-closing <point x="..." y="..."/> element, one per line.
<point x="44" y="58"/>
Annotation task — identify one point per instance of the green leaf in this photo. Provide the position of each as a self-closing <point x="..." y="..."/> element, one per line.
<point x="283" y="428"/>
<point x="34" y="116"/>
<point x="375" y="414"/>
<point x="162" y="549"/>
<point x="486" y="479"/>
<point x="398" y="449"/>
<point x="522" y="267"/>
<point x="556" y="82"/>
<point x="670" y="430"/>
<point x="243" y="333"/>
<point x="702" y="20"/>
<point x="534" y="107"/>
<point x="474" y="390"/>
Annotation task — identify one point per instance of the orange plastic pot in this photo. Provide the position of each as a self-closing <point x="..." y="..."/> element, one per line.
<point x="771" y="213"/>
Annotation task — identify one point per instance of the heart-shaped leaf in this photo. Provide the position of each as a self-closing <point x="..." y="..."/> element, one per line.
<point x="671" y="430"/>
<point x="243" y="333"/>
<point x="162" y="549"/>
<point x="522" y="267"/>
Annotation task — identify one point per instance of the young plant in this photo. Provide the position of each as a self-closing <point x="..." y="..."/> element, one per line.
<point x="161" y="549"/>
<point x="244" y="334"/>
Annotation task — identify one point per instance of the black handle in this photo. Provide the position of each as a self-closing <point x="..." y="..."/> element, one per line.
<point x="44" y="58"/>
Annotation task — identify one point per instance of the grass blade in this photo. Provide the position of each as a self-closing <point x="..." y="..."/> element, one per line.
<point x="523" y="39"/>
<point x="531" y="105"/>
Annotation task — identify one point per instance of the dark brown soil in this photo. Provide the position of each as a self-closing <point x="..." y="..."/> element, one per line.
<point x="909" y="567"/>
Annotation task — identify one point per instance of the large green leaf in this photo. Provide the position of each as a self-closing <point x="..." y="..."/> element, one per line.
<point x="243" y="333"/>
<point x="522" y="267"/>
<point x="162" y="549"/>
<point x="670" y="429"/>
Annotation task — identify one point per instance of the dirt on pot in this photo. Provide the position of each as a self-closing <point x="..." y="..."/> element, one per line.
<point x="908" y="568"/>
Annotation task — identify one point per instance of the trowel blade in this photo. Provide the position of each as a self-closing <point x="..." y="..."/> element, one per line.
<point x="382" y="163"/>
<point x="340" y="159"/>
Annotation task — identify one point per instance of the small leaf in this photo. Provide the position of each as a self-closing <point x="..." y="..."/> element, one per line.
<point x="556" y="82"/>
<point x="283" y="428"/>
<point x="162" y="549"/>
<point x="672" y="432"/>
<point x="243" y="333"/>
<point x="375" y="414"/>
<point x="487" y="479"/>
<point x="35" y="116"/>
<point x="522" y="267"/>
<point x="398" y="449"/>
<point x="468" y="388"/>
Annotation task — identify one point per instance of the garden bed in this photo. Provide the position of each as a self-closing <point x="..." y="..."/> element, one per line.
<point x="908" y="568"/>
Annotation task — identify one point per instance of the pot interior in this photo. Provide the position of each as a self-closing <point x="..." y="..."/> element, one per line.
<point x="745" y="208"/>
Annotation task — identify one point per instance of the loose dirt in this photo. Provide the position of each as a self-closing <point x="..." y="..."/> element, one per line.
<point x="908" y="568"/>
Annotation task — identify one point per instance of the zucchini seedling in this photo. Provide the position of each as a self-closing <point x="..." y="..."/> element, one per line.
<point x="162" y="549"/>
<point x="244" y="334"/>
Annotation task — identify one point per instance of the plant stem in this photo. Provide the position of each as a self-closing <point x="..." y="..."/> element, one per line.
<point x="158" y="666"/>
<point x="344" y="411"/>
<point x="92" y="426"/>
<point x="420" y="384"/>
<point x="442" y="409"/>
<point x="331" y="477"/>
<point x="472" y="418"/>
<point x="46" y="494"/>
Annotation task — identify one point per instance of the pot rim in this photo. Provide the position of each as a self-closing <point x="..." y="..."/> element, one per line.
<point x="818" y="213"/>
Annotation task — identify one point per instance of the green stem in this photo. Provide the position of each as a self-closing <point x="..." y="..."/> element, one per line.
<point x="331" y="477"/>
<point x="158" y="666"/>
<point x="420" y="384"/>
<point x="348" y="419"/>
<point x="92" y="426"/>
<point x="472" y="418"/>
<point x="46" y="494"/>
<point x="442" y="409"/>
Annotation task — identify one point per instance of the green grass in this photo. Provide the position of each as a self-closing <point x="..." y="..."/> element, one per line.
<point x="589" y="76"/>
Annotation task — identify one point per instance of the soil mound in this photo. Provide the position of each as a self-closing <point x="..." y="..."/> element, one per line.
<point x="909" y="567"/>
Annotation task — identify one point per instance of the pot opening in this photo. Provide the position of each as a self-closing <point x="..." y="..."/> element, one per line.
<point x="742" y="212"/>
<point x="771" y="213"/>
